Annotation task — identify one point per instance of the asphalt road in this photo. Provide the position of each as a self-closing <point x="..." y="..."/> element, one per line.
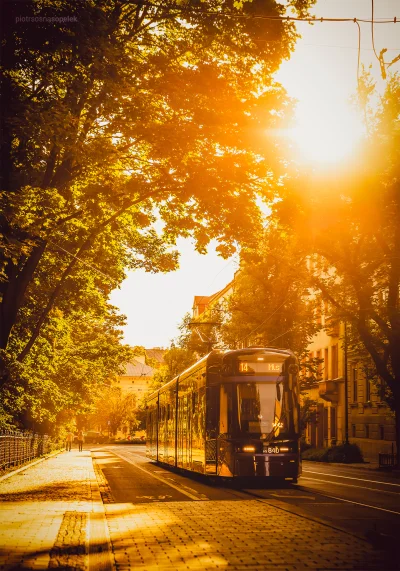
<point x="363" y="502"/>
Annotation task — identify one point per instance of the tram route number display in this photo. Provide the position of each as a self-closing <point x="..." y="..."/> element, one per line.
<point x="259" y="367"/>
<point x="271" y="450"/>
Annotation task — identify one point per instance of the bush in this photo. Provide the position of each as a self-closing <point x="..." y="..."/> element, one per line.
<point x="316" y="454"/>
<point x="344" y="453"/>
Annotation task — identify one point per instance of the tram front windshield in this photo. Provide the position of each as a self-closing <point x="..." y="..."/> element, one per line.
<point x="262" y="409"/>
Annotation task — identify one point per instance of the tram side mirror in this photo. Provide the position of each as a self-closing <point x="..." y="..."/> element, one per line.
<point x="227" y="369"/>
<point x="212" y="369"/>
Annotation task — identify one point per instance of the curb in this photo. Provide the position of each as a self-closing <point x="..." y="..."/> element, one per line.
<point x="372" y="466"/>
<point x="9" y="474"/>
<point x="100" y="548"/>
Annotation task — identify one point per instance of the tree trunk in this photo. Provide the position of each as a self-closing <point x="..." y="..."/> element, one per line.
<point x="14" y="293"/>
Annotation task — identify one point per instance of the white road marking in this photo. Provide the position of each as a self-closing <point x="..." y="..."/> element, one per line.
<point x="356" y="503"/>
<point x="351" y="486"/>
<point x="178" y="488"/>
<point x="293" y="497"/>
<point x="351" y="478"/>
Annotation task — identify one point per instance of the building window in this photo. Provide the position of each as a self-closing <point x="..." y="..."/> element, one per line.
<point x="355" y="384"/>
<point x="367" y="431"/>
<point x="353" y="430"/>
<point x="325" y="423"/>
<point x="382" y="390"/>
<point x="319" y="365"/>
<point x="382" y="432"/>
<point x="334" y="354"/>
<point x="133" y="382"/>
<point x="367" y="390"/>
<point x="326" y="364"/>
<point x="333" y="422"/>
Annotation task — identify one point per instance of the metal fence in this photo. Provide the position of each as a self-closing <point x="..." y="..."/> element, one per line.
<point x="387" y="460"/>
<point x="16" y="448"/>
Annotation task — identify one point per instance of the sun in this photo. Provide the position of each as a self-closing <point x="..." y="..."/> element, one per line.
<point x="326" y="134"/>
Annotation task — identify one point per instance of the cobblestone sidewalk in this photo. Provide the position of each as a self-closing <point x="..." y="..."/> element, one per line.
<point x="234" y="535"/>
<point x="52" y="516"/>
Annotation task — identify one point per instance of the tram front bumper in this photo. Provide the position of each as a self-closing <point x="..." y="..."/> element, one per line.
<point x="275" y="466"/>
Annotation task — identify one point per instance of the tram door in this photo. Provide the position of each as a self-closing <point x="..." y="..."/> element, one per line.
<point x="212" y="420"/>
<point x="184" y="433"/>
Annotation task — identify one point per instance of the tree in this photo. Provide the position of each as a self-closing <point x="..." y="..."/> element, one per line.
<point x="272" y="305"/>
<point x="76" y="352"/>
<point x="113" y="409"/>
<point x="122" y="114"/>
<point x="355" y="250"/>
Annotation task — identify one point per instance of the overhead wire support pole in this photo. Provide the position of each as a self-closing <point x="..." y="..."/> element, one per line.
<point x="346" y="388"/>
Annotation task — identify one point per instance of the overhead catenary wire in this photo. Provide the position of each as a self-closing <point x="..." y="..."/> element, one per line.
<point x="265" y="320"/>
<point x="110" y="279"/>
<point x="221" y="14"/>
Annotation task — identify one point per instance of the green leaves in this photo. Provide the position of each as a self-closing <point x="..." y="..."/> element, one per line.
<point x="123" y="116"/>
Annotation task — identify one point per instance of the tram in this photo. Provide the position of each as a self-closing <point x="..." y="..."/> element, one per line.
<point x="233" y="414"/>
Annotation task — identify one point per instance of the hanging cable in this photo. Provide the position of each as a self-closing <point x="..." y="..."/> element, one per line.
<point x="111" y="281"/>
<point x="186" y="11"/>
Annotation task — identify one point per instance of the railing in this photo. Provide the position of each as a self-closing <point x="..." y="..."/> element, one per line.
<point x="16" y="448"/>
<point x="387" y="460"/>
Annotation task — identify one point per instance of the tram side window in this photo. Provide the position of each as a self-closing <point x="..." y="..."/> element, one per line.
<point x="225" y="409"/>
<point x="212" y="409"/>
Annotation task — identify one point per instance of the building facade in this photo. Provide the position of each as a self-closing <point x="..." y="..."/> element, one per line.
<point x="370" y="422"/>
<point x="136" y="380"/>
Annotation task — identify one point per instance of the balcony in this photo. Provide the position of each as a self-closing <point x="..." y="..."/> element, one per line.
<point x="328" y="390"/>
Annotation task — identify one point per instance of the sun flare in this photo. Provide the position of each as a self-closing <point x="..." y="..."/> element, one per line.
<point x="325" y="135"/>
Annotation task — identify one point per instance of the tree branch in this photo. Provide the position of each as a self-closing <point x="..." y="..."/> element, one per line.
<point x="83" y="248"/>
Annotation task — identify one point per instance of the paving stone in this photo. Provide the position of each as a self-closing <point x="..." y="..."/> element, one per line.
<point x="45" y="513"/>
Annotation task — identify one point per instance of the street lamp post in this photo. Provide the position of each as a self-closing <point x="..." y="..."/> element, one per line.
<point x="346" y="391"/>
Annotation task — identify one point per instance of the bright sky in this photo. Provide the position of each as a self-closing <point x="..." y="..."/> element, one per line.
<point x="322" y="76"/>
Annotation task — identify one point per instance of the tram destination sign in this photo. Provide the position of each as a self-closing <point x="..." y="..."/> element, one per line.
<point x="258" y="366"/>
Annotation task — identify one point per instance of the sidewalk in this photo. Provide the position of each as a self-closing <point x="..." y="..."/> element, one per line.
<point x="52" y="516"/>
<point x="367" y="465"/>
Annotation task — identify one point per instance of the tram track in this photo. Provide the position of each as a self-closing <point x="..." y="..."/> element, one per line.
<point x="384" y="483"/>
<point x="373" y="537"/>
<point x="294" y="510"/>
<point x="299" y="487"/>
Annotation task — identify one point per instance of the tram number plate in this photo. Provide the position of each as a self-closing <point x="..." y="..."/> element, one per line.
<point x="271" y="450"/>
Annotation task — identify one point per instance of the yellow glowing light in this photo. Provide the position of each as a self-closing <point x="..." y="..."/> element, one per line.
<point x="249" y="449"/>
<point x="326" y="132"/>
<point x="283" y="449"/>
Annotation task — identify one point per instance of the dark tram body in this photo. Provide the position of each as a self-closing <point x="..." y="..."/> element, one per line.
<point x="232" y="414"/>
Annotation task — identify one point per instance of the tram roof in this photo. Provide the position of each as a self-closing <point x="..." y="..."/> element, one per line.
<point x="222" y="353"/>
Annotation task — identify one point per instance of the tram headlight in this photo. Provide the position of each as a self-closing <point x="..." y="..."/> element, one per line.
<point x="284" y="449"/>
<point x="248" y="449"/>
